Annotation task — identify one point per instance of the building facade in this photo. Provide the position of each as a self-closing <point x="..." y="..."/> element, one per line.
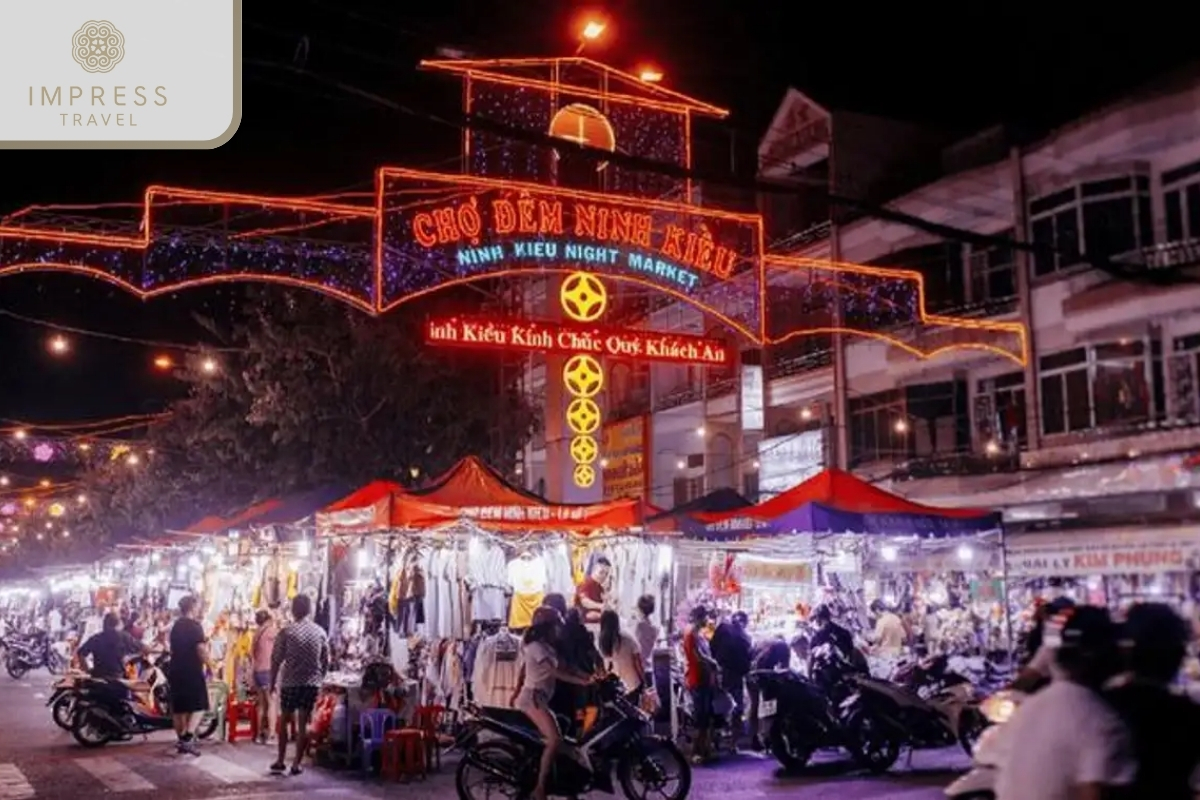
<point x="1095" y="430"/>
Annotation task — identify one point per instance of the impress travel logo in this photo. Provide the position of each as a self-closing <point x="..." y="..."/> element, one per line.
<point x="79" y="74"/>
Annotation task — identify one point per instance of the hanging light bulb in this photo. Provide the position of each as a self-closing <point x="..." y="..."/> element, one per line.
<point x="303" y="548"/>
<point x="888" y="552"/>
<point x="363" y="558"/>
<point x="58" y="344"/>
<point x="965" y="553"/>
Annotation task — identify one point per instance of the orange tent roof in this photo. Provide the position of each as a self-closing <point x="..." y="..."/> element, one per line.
<point x="368" y="495"/>
<point x="471" y="482"/>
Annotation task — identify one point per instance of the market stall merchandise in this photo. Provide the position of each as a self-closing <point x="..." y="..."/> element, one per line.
<point x="838" y="541"/>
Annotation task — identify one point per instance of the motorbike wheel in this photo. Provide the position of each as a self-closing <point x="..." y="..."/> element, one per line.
<point x="63" y="711"/>
<point x="970" y="728"/>
<point x="90" y="731"/>
<point x="788" y="746"/>
<point x="504" y="759"/>
<point x="876" y="745"/>
<point x="16" y="670"/>
<point x="658" y="764"/>
<point x="207" y="726"/>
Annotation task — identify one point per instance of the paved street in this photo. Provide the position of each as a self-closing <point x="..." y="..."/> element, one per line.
<point x="37" y="760"/>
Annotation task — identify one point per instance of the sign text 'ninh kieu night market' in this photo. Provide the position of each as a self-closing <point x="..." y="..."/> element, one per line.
<point x="496" y="231"/>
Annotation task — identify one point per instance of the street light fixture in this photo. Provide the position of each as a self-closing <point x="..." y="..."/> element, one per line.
<point x="59" y="345"/>
<point x="651" y="75"/>
<point x="592" y="30"/>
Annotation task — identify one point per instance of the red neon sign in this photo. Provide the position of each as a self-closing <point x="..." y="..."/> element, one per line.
<point x="549" y="337"/>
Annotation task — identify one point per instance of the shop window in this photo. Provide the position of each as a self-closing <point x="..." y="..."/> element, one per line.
<point x="1121" y="385"/>
<point x="1101" y="219"/>
<point x="1185" y="372"/>
<point x="1000" y="415"/>
<point x="1181" y="201"/>
<point x="874" y="434"/>
<point x="1111" y="385"/>
<point x="992" y="272"/>
<point x="1066" y="401"/>
<point x="687" y="490"/>
<point x="938" y="421"/>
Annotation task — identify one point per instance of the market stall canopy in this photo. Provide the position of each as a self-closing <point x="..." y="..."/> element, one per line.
<point x="287" y="510"/>
<point x="470" y="482"/>
<point x="364" y="509"/>
<point x="470" y="490"/>
<point x="835" y="501"/>
<point x="295" y="508"/>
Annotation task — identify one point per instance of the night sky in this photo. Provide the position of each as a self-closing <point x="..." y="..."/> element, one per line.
<point x="305" y="135"/>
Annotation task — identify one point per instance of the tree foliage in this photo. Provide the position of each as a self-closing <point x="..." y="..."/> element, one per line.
<point x="312" y="393"/>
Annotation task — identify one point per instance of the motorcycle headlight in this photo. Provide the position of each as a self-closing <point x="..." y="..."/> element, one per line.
<point x="998" y="708"/>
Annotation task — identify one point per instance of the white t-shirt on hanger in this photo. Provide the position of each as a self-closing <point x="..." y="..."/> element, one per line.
<point x="527" y="575"/>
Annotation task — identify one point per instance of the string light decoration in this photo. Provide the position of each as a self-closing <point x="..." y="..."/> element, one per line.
<point x="371" y="255"/>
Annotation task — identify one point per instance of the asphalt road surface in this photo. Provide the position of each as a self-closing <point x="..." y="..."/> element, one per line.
<point x="37" y="760"/>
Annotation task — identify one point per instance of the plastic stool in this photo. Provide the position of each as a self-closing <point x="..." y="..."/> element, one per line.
<point x="403" y="754"/>
<point x="238" y="712"/>
<point x="428" y="720"/>
<point x="373" y="726"/>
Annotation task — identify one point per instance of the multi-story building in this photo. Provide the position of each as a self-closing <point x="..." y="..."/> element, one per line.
<point x="1094" y="429"/>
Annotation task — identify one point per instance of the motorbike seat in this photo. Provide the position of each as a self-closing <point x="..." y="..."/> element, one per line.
<point x="516" y="721"/>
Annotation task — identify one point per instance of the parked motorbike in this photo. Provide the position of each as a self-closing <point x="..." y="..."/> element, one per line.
<point x="926" y="706"/>
<point x="109" y="710"/>
<point x="32" y="652"/>
<point x="805" y="713"/>
<point x="980" y="782"/>
<point x="619" y="740"/>
<point x="65" y="691"/>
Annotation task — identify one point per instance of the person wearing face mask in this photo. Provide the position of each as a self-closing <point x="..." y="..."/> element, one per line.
<point x="1067" y="742"/>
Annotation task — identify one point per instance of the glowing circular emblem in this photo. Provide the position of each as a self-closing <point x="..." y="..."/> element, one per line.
<point x="583" y="297"/>
<point x="584" y="125"/>
<point x="584" y="475"/>
<point x="582" y="376"/>
<point x="583" y="416"/>
<point x="584" y="449"/>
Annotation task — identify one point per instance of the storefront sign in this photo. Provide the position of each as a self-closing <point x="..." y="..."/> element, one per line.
<point x="508" y="513"/>
<point x="785" y="461"/>
<point x="1145" y="559"/>
<point x="624" y="461"/>
<point x="544" y="337"/>
<point x="751" y="571"/>
<point x="519" y="229"/>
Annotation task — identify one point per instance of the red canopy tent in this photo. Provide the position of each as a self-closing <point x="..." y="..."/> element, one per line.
<point x="838" y="500"/>
<point x="472" y="490"/>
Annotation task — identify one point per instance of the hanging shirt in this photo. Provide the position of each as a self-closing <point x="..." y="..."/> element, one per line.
<point x="494" y="673"/>
<point x="527" y="577"/>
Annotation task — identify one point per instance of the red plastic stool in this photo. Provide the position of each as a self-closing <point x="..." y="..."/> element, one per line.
<point x="428" y="720"/>
<point x="241" y="719"/>
<point x="402" y="754"/>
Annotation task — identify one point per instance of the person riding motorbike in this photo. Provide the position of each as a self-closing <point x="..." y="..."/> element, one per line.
<point x="1039" y="669"/>
<point x="1067" y="743"/>
<point x="1154" y="641"/>
<point x="830" y="633"/>
<point x="540" y="672"/>
<point x="109" y="649"/>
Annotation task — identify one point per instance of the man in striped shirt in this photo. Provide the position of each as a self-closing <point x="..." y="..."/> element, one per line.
<point x="299" y="662"/>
